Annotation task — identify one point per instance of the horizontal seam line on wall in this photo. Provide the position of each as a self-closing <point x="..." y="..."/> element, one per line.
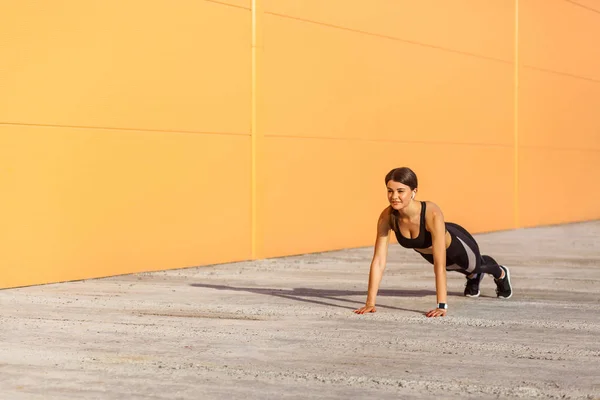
<point x="121" y="129"/>
<point x="388" y="140"/>
<point x="550" y="71"/>
<point x="431" y="46"/>
<point x="583" y="6"/>
<point x="587" y="149"/>
<point x="229" y="5"/>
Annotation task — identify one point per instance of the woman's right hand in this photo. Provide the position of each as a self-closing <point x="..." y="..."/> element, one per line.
<point x="366" y="309"/>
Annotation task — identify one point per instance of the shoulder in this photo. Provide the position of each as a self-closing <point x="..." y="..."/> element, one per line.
<point x="432" y="207"/>
<point x="433" y="212"/>
<point x="386" y="212"/>
<point x="384" y="219"/>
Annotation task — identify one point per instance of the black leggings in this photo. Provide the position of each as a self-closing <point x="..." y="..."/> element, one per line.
<point x="463" y="254"/>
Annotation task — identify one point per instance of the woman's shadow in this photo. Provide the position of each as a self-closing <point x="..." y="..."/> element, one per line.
<point x="300" y="294"/>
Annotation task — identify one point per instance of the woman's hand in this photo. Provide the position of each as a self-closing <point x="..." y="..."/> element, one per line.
<point x="438" y="312"/>
<point x="366" y="309"/>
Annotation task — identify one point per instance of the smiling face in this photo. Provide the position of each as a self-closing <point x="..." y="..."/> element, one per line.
<point x="399" y="195"/>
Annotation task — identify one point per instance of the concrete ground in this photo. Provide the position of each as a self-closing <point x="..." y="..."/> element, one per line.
<point x="284" y="328"/>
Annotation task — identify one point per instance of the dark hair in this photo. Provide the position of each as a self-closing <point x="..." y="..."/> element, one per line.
<point x="405" y="176"/>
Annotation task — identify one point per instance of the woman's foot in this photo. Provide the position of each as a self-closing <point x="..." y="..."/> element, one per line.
<point x="503" y="287"/>
<point x="472" y="285"/>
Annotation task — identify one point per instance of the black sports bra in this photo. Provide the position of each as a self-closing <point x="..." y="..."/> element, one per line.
<point x="422" y="241"/>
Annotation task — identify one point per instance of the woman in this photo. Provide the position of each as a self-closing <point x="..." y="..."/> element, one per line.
<point x="420" y="225"/>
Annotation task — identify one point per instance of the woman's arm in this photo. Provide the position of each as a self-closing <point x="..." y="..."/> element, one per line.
<point x="435" y="224"/>
<point x="378" y="262"/>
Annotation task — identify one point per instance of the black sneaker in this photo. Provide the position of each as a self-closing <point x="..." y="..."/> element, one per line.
<point x="503" y="288"/>
<point x="472" y="285"/>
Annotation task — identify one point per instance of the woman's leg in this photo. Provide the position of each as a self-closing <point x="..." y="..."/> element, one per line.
<point x="503" y="286"/>
<point x="464" y="252"/>
<point x="468" y="256"/>
<point x="449" y="265"/>
<point x="490" y="266"/>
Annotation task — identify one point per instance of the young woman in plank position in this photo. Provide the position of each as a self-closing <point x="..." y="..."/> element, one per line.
<point x="420" y="225"/>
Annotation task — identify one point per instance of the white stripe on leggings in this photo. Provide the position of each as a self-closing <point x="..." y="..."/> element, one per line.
<point x="470" y="255"/>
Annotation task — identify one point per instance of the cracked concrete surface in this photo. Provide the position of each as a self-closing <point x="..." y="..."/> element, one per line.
<point x="284" y="328"/>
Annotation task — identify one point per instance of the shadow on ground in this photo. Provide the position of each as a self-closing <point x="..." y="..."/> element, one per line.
<point x="300" y="294"/>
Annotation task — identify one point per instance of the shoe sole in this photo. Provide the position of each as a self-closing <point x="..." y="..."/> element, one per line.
<point x="509" y="284"/>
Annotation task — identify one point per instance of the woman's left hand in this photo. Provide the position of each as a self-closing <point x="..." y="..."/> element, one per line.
<point x="438" y="312"/>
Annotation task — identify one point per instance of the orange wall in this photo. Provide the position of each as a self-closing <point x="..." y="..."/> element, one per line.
<point x="124" y="142"/>
<point x="206" y="131"/>
<point x="350" y="95"/>
<point x="559" y="111"/>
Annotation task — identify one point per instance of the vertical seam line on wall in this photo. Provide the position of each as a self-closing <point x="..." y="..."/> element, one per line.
<point x="253" y="137"/>
<point x="516" y="120"/>
<point x="254" y="134"/>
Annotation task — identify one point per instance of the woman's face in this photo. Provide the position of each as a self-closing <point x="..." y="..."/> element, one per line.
<point x="399" y="195"/>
